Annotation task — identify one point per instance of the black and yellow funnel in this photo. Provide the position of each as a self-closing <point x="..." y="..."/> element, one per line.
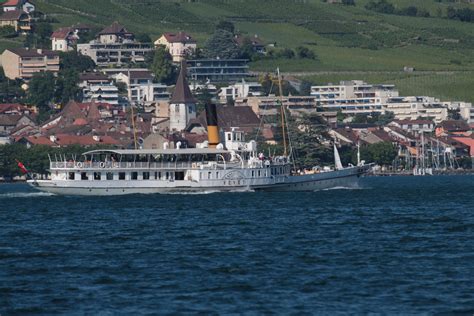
<point x="212" y="126"/>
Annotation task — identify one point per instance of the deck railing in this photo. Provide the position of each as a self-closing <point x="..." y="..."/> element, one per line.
<point x="130" y="165"/>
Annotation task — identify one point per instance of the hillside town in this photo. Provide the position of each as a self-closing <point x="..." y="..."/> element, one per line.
<point x="151" y="95"/>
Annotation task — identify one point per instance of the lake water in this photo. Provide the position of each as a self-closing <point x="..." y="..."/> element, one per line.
<point x="399" y="245"/>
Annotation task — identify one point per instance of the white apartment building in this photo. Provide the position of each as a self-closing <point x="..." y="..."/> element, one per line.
<point x="240" y="90"/>
<point x="140" y="86"/>
<point x="414" y="107"/>
<point x="353" y="96"/>
<point x="107" y="93"/>
<point x="465" y="110"/>
<point x="115" y="46"/>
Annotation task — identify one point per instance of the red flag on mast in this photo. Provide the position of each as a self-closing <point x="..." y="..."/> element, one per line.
<point x="22" y="167"/>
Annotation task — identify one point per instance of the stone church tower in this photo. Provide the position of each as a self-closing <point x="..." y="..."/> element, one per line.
<point x="183" y="103"/>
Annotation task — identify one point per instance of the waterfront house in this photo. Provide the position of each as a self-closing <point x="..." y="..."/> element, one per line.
<point x="178" y="44"/>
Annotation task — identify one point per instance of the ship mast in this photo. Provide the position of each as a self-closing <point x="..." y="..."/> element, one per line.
<point x="282" y="112"/>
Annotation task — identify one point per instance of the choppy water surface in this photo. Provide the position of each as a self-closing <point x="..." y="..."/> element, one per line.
<point x="398" y="246"/>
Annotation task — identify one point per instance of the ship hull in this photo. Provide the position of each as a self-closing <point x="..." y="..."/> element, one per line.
<point x="346" y="178"/>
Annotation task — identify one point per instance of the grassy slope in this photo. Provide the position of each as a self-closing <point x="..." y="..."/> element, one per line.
<point x="340" y="36"/>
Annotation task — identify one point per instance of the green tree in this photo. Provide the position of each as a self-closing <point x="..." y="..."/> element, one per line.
<point x="41" y="90"/>
<point x="7" y="31"/>
<point x="246" y="49"/>
<point x="226" y="26"/>
<point x="162" y="66"/>
<point x="66" y="86"/>
<point x="382" y="153"/>
<point x="143" y="38"/>
<point x="221" y="44"/>
<point x="75" y="61"/>
<point x="305" y="52"/>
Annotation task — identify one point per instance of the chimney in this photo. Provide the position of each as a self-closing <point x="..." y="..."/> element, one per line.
<point x="212" y="127"/>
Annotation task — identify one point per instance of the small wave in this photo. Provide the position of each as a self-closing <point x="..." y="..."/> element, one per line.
<point x="343" y="188"/>
<point x="24" y="194"/>
<point x="209" y="192"/>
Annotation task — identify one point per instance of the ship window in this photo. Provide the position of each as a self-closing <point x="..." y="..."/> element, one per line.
<point x="156" y="175"/>
<point x="209" y="175"/>
<point x="159" y="175"/>
<point x="217" y="175"/>
<point x="96" y="175"/>
<point x="84" y="176"/>
<point x="110" y="176"/>
<point x="146" y="176"/>
<point x="167" y="175"/>
<point x="253" y="173"/>
<point x="71" y="176"/>
<point x="134" y="175"/>
<point x="121" y="175"/>
<point x="179" y="175"/>
<point x="259" y="174"/>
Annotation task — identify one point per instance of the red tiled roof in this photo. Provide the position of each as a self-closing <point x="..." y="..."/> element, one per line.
<point x="62" y="32"/>
<point x="114" y="28"/>
<point x="23" y="52"/>
<point x="85" y="140"/>
<point x="140" y="74"/>
<point x="11" y="3"/>
<point x="86" y="76"/>
<point x="39" y="140"/>
<point x="180" y="37"/>
<point x="12" y="106"/>
<point x="469" y="141"/>
<point x="11" y="15"/>
<point x="454" y="125"/>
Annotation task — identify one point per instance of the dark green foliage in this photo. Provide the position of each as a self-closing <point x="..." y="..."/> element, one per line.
<point x="10" y="90"/>
<point x="143" y="38"/>
<point x="162" y="66"/>
<point x="122" y="87"/>
<point x="41" y="90"/>
<point x="305" y="134"/>
<point x="305" y="52"/>
<point x="382" y="153"/>
<point x="221" y="44"/>
<point x="7" y="31"/>
<point x="66" y="86"/>
<point x="464" y="14"/>
<point x="373" y="118"/>
<point x="286" y="53"/>
<point x="40" y="37"/>
<point x="35" y="158"/>
<point x="381" y="6"/>
<point x="348" y="2"/>
<point x="226" y="26"/>
<point x="246" y="49"/>
<point x="75" y="61"/>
